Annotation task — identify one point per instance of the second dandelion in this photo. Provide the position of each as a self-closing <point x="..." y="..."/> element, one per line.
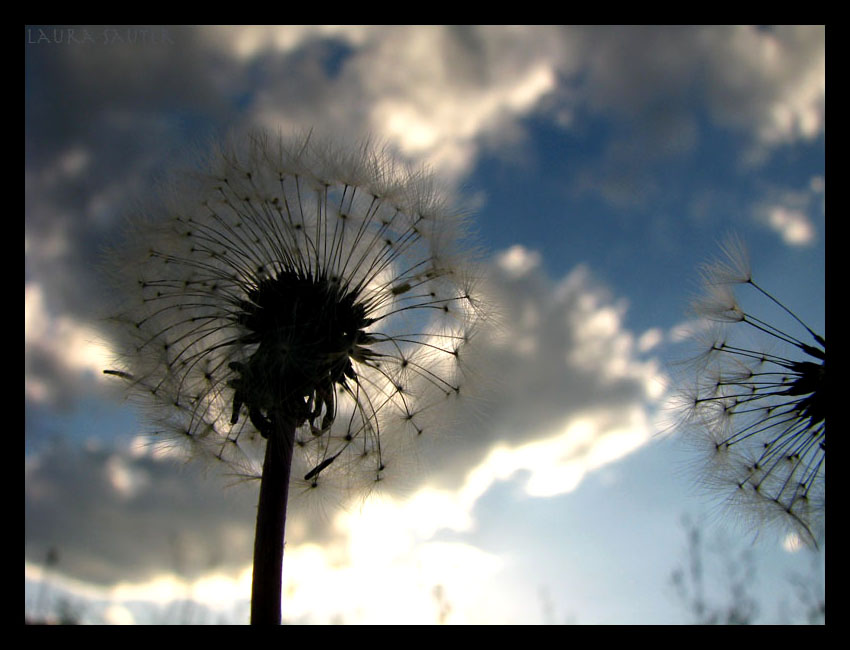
<point x="759" y="404"/>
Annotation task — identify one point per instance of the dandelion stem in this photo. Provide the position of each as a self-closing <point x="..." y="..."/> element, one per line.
<point x="271" y="523"/>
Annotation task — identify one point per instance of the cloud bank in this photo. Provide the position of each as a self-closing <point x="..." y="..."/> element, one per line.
<point x="568" y="388"/>
<point x="568" y="391"/>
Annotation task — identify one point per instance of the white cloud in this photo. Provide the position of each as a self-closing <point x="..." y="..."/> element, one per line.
<point x="557" y="465"/>
<point x="388" y="552"/>
<point x="650" y="339"/>
<point x="518" y="260"/>
<point x="684" y="331"/>
<point x="118" y="615"/>
<point x="246" y="42"/>
<point x="570" y="391"/>
<point x="793" y="225"/>
<point x="440" y="93"/>
<point x="57" y="348"/>
<point x="791" y="212"/>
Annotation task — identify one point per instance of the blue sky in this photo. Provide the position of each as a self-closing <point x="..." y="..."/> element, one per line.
<point x="603" y="166"/>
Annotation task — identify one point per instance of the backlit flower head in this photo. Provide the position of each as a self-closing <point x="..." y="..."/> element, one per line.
<point x="295" y="278"/>
<point x="758" y="405"/>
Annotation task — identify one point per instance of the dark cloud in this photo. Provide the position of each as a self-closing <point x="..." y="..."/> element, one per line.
<point x="116" y="516"/>
<point x="104" y="121"/>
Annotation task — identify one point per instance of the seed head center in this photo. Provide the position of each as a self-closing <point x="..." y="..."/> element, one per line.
<point x="307" y="330"/>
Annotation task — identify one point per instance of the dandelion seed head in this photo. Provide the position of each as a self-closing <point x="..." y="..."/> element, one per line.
<point x="757" y="406"/>
<point x="294" y="276"/>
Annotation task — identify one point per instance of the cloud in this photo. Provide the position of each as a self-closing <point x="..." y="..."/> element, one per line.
<point x="445" y="94"/>
<point x="117" y="515"/>
<point x="793" y="225"/>
<point x="568" y="389"/>
<point x="576" y="400"/>
<point x="131" y="110"/>
<point x="793" y="213"/>
<point x="769" y="80"/>
<point x="662" y="87"/>
<point x="168" y="533"/>
<point x="62" y="356"/>
<point x="442" y="95"/>
<point x="564" y="381"/>
<point x="437" y="93"/>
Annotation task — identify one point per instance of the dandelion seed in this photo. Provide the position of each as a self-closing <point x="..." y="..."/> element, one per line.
<point x="299" y="296"/>
<point x="759" y="410"/>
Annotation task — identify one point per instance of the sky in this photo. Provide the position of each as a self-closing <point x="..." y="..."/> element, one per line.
<point x="602" y="165"/>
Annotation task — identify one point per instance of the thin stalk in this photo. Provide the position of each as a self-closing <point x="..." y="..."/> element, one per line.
<point x="271" y="523"/>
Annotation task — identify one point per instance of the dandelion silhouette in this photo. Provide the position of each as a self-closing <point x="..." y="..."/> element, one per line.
<point x="759" y="413"/>
<point x="316" y="299"/>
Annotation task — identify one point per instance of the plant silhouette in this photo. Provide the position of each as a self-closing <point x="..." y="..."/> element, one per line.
<point x="300" y="302"/>
<point x="757" y="408"/>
